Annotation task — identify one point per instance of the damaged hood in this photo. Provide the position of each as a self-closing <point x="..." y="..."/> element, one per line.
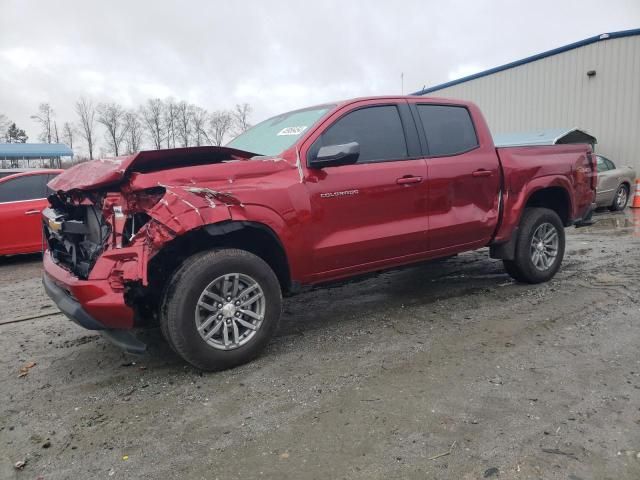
<point x="110" y="171"/>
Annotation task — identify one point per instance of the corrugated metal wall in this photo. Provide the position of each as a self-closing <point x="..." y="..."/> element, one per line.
<point x="555" y="92"/>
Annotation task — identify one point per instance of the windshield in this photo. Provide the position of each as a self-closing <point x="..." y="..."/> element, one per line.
<point x="278" y="133"/>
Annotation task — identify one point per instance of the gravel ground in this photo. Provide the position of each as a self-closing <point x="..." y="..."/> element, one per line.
<point x="447" y="370"/>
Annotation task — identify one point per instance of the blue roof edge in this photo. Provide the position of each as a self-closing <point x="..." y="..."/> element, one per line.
<point x="532" y="58"/>
<point x="34" y="150"/>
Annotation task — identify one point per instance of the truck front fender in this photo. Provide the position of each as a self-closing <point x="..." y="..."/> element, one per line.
<point x="287" y="230"/>
<point x="184" y="208"/>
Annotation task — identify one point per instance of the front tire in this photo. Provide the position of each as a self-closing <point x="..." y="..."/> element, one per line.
<point x="621" y="199"/>
<point x="220" y="308"/>
<point x="539" y="248"/>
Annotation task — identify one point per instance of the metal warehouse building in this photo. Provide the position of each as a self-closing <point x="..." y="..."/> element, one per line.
<point x="593" y="84"/>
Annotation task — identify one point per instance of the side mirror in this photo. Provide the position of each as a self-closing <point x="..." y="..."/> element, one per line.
<point x="334" y="155"/>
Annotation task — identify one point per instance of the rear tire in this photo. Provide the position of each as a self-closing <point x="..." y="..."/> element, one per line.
<point x="209" y="320"/>
<point x="539" y="247"/>
<point x="621" y="199"/>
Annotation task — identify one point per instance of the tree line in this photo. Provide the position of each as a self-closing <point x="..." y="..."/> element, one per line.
<point x="156" y="124"/>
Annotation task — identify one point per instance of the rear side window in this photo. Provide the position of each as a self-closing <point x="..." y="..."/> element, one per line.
<point x="378" y="131"/>
<point x="449" y="129"/>
<point x="604" y="164"/>
<point x="23" y="188"/>
<point x="601" y="164"/>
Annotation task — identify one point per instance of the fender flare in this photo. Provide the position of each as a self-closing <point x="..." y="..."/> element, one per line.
<point x="515" y="203"/>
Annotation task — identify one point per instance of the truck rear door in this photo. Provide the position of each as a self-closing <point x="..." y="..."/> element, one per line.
<point x="464" y="177"/>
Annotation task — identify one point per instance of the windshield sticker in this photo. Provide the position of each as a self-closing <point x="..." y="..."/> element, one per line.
<point x="291" y="131"/>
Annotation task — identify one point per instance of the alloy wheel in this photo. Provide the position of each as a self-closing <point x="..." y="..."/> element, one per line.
<point x="544" y="246"/>
<point x="230" y="311"/>
<point x="621" y="198"/>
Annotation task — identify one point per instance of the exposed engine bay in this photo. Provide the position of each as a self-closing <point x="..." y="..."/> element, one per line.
<point x="75" y="234"/>
<point x="78" y="229"/>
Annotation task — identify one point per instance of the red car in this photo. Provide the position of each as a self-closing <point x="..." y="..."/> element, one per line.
<point x="205" y="241"/>
<point x="23" y="196"/>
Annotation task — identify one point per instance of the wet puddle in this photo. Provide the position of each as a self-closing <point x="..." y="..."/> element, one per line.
<point x="619" y="223"/>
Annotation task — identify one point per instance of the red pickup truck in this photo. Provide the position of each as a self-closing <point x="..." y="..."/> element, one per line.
<point x="205" y="241"/>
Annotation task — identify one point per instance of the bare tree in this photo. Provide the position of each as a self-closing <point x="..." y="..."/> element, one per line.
<point x="111" y="116"/>
<point x="152" y="118"/>
<point x="87" y="113"/>
<point x="67" y="134"/>
<point x="169" y="118"/>
<point x="199" y="118"/>
<point x="55" y="132"/>
<point x="184" y="119"/>
<point x="45" y="118"/>
<point x="220" y="125"/>
<point x="133" y="127"/>
<point x="241" y="118"/>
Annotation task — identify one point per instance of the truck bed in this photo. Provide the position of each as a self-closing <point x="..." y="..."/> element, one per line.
<point x="568" y="167"/>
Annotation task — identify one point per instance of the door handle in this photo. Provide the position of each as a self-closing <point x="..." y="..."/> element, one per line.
<point x="32" y="212"/>
<point x="482" y="173"/>
<point x="408" y="180"/>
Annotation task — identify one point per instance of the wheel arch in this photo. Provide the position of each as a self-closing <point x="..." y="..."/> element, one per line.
<point x="253" y="237"/>
<point x="554" y="198"/>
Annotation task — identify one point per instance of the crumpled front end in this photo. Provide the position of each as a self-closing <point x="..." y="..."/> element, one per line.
<point x="102" y="235"/>
<point x="100" y="244"/>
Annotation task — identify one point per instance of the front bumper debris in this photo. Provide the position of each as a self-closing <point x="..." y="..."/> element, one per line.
<point x="72" y="309"/>
<point x="102" y="298"/>
<point x="69" y="306"/>
<point x="92" y="304"/>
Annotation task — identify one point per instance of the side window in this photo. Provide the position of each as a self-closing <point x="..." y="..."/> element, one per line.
<point x="449" y="129"/>
<point x="378" y="131"/>
<point x="23" y="188"/>
<point x="601" y="165"/>
<point x="610" y="165"/>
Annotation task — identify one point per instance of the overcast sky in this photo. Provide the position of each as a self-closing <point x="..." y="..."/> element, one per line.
<point x="275" y="55"/>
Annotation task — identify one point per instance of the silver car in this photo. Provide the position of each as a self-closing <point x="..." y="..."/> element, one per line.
<point x="614" y="184"/>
